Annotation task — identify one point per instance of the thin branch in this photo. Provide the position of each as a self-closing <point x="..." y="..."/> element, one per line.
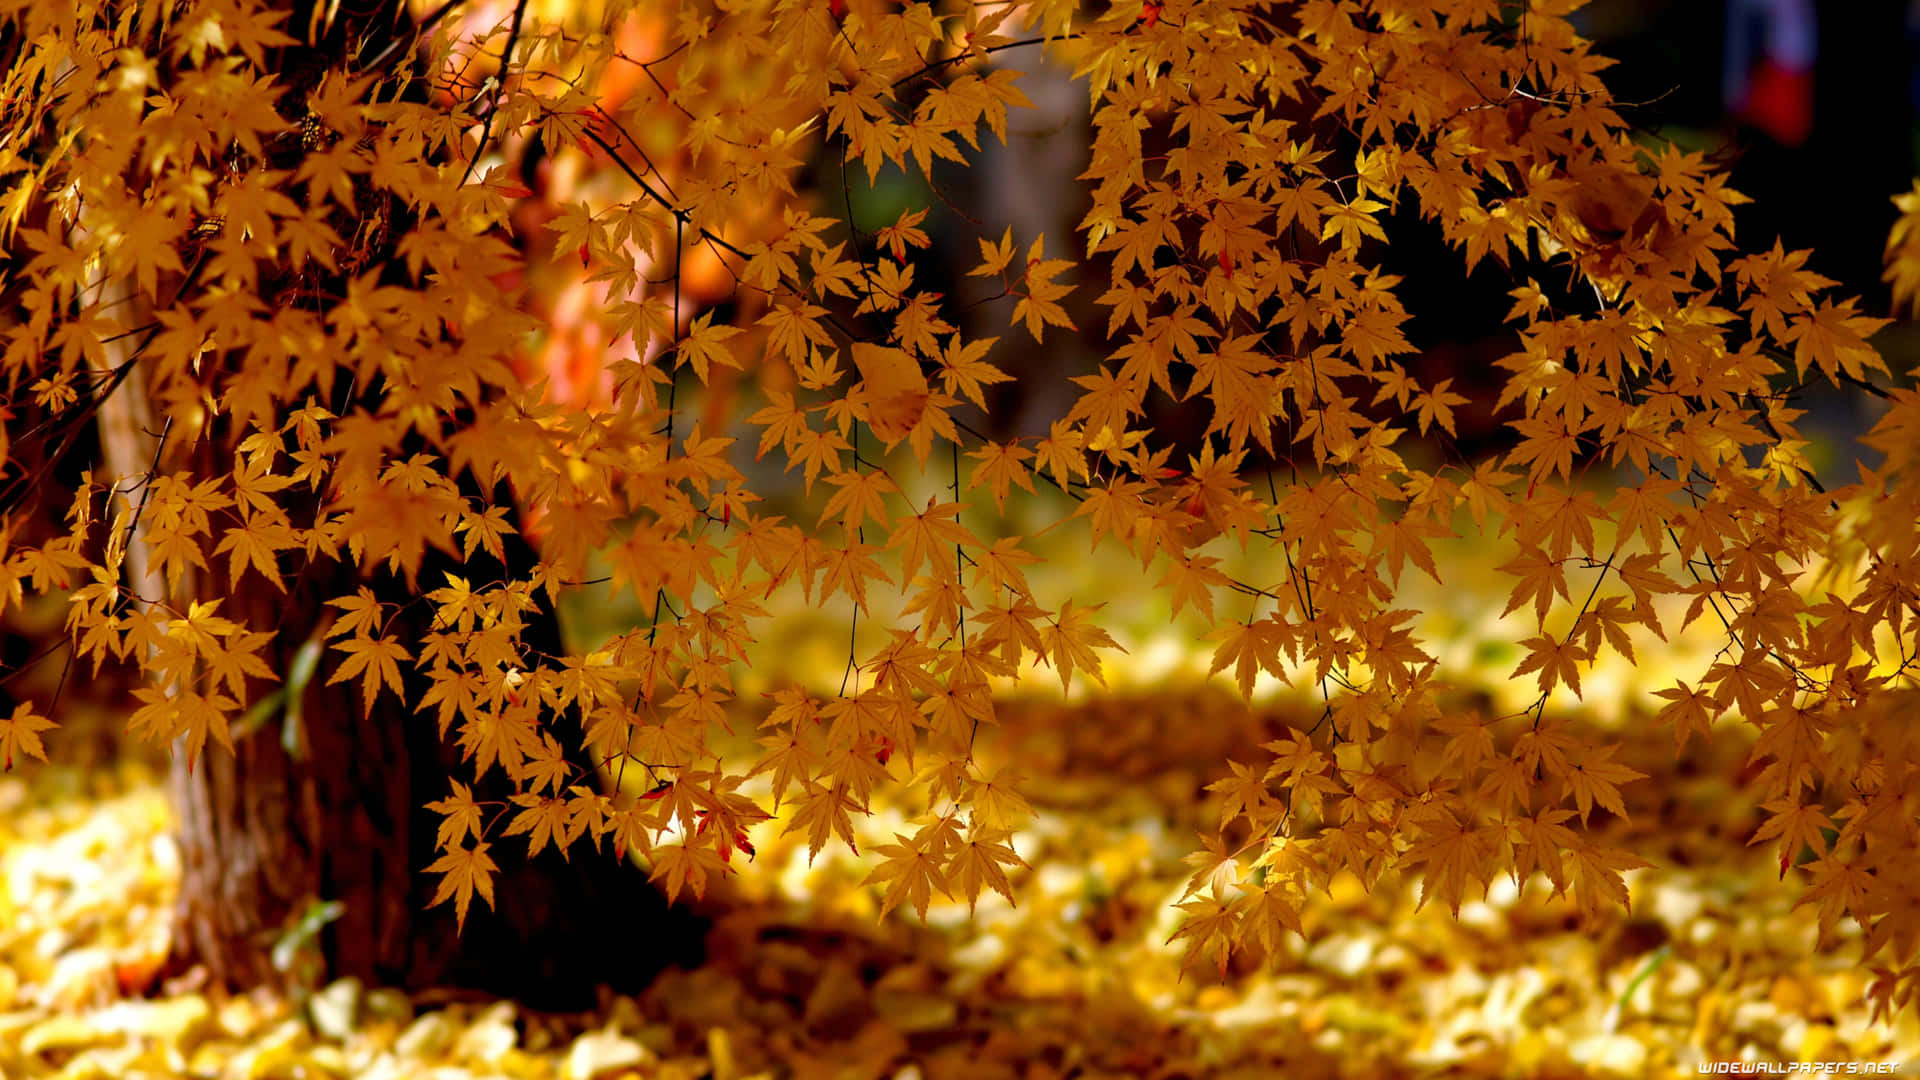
<point x="500" y="78"/>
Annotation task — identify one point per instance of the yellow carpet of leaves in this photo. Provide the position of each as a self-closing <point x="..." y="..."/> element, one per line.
<point x="1077" y="980"/>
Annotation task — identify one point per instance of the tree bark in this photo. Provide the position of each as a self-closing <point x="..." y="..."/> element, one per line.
<point x="337" y="813"/>
<point x="264" y="833"/>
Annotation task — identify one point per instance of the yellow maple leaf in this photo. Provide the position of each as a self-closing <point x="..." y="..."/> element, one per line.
<point x="466" y="871"/>
<point x="377" y="661"/>
<point x="21" y="732"/>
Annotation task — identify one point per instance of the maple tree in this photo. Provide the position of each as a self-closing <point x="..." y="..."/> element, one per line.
<point x="327" y="295"/>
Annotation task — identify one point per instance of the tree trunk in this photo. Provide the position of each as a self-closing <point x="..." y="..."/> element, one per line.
<point x="264" y="833"/>
<point x="335" y="811"/>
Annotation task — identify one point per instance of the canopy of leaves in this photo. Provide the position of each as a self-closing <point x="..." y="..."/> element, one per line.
<point x="321" y="287"/>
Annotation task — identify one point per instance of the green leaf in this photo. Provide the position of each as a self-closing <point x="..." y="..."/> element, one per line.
<point x="303" y="931"/>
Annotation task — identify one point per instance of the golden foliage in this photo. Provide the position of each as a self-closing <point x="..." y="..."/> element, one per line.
<point x="327" y="284"/>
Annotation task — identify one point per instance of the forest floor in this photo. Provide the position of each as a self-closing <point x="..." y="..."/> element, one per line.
<point x="1077" y="980"/>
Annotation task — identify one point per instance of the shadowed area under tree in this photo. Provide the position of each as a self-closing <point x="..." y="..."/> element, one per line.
<point x="263" y="833"/>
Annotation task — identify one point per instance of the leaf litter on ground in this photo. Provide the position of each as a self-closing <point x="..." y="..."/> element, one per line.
<point x="1078" y="979"/>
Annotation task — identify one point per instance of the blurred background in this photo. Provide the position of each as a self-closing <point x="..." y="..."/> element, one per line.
<point x="1812" y="105"/>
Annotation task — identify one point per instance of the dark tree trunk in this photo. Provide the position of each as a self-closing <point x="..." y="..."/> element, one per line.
<point x="336" y="812"/>
<point x="264" y="833"/>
